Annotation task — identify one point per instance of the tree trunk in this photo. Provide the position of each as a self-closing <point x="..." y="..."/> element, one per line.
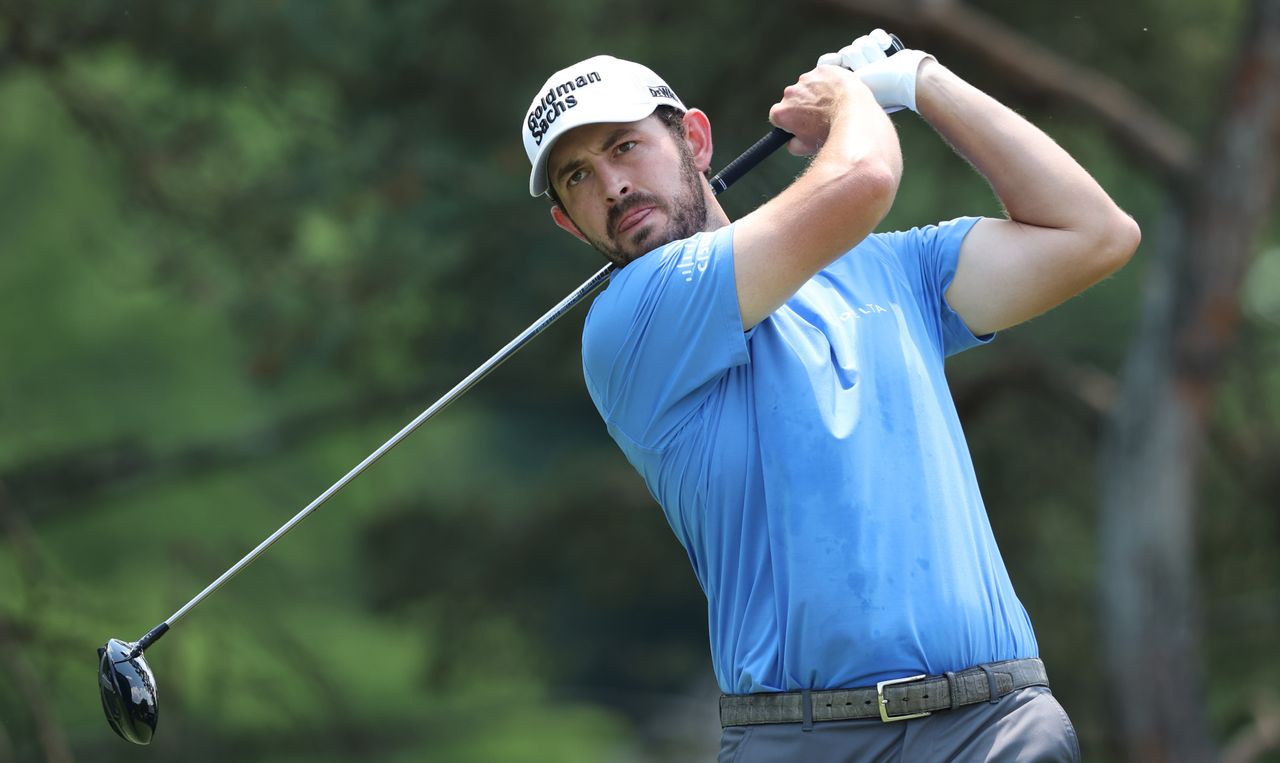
<point x="1152" y="453"/>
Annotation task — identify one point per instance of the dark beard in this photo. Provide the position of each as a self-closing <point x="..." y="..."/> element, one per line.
<point x="686" y="215"/>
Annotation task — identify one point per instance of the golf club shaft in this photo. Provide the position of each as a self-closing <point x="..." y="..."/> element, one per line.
<point x="772" y="141"/>
<point x="550" y="317"/>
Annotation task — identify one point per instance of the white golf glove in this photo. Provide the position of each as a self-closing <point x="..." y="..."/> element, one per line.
<point x="892" y="78"/>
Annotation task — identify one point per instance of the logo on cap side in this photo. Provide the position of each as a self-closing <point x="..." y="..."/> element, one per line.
<point x="663" y="92"/>
<point x="557" y="101"/>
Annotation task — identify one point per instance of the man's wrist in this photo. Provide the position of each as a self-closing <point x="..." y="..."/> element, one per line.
<point x="929" y="77"/>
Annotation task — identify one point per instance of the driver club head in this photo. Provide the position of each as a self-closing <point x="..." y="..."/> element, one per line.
<point x="128" y="691"/>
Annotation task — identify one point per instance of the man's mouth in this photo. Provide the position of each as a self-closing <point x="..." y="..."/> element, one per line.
<point x="633" y="218"/>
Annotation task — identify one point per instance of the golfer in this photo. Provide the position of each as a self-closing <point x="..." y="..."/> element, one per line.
<point x="778" y="383"/>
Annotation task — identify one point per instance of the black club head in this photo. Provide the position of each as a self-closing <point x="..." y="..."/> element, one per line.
<point x="128" y="691"/>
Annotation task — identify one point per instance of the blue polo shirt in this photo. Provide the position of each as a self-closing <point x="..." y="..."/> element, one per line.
<point x="813" y="467"/>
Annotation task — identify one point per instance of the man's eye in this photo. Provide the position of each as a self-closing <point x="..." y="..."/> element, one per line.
<point x="626" y="146"/>
<point x="576" y="177"/>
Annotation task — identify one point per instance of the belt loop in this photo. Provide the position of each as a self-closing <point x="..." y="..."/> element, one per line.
<point x="991" y="681"/>
<point x="806" y="709"/>
<point x="953" y="688"/>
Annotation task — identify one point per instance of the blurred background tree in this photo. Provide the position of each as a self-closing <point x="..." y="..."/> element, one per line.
<point x="242" y="243"/>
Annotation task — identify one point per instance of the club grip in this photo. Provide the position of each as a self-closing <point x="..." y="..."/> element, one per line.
<point x="774" y="140"/>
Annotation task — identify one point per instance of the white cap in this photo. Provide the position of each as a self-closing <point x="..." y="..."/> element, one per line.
<point x="599" y="89"/>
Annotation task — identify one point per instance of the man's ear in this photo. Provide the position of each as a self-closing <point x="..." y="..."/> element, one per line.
<point x="562" y="219"/>
<point x="697" y="130"/>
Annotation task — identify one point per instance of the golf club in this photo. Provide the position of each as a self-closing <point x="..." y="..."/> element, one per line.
<point x="125" y="680"/>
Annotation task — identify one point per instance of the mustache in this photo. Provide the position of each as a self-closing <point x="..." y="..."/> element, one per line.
<point x="621" y="210"/>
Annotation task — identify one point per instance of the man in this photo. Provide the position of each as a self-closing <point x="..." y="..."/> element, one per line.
<point x="778" y="383"/>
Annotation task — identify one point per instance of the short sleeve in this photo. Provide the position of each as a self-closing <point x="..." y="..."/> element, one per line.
<point x="929" y="255"/>
<point x="662" y="335"/>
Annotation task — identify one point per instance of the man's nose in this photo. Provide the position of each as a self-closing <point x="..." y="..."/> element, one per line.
<point x="616" y="184"/>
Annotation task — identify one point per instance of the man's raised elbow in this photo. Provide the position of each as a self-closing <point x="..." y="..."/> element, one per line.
<point x="878" y="179"/>
<point x="1117" y="242"/>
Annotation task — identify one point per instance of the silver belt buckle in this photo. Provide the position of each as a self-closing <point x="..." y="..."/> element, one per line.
<point x="884" y="703"/>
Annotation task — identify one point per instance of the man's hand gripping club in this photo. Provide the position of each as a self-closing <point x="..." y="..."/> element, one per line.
<point x="891" y="78"/>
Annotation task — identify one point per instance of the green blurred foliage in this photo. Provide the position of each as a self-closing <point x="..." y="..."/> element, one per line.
<point x="243" y="243"/>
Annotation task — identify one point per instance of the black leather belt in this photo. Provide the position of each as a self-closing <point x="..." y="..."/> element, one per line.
<point x="895" y="700"/>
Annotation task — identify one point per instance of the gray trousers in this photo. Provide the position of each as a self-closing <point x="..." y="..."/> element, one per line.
<point x="1026" y="726"/>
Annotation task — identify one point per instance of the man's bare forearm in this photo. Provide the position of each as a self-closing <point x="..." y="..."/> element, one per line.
<point x="843" y="195"/>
